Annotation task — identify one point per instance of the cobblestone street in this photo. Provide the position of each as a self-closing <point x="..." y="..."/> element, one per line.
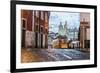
<point x="44" y="55"/>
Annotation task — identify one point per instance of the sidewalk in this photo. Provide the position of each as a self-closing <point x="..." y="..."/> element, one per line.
<point x="27" y="56"/>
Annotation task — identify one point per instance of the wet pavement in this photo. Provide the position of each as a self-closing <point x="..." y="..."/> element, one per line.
<point x="45" y="55"/>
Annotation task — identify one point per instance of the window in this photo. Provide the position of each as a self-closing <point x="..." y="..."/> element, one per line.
<point x="42" y="15"/>
<point x="87" y="43"/>
<point x="36" y="40"/>
<point x="41" y="29"/>
<point x="88" y="34"/>
<point x="37" y="20"/>
<point x="36" y="27"/>
<point x="24" y="23"/>
<point x="46" y="17"/>
<point x="37" y="13"/>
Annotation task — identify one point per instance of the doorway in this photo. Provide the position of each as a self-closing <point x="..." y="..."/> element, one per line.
<point x="24" y="23"/>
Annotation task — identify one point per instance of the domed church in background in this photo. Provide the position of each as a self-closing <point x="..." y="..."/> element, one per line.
<point x="62" y="37"/>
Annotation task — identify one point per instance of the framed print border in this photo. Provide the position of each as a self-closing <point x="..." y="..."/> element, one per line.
<point x="13" y="35"/>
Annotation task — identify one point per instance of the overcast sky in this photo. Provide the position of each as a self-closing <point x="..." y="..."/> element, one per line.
<point x="73" y="20"/>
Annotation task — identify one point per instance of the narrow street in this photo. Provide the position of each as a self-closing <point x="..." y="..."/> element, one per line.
<point x="65" y="36"/>
<point x="45" y="55"/>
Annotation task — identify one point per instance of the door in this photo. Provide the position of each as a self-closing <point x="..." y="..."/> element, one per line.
<point x="41" y="41"/>
<point x="23" y="38"/>
<point x="24" y="23"/>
